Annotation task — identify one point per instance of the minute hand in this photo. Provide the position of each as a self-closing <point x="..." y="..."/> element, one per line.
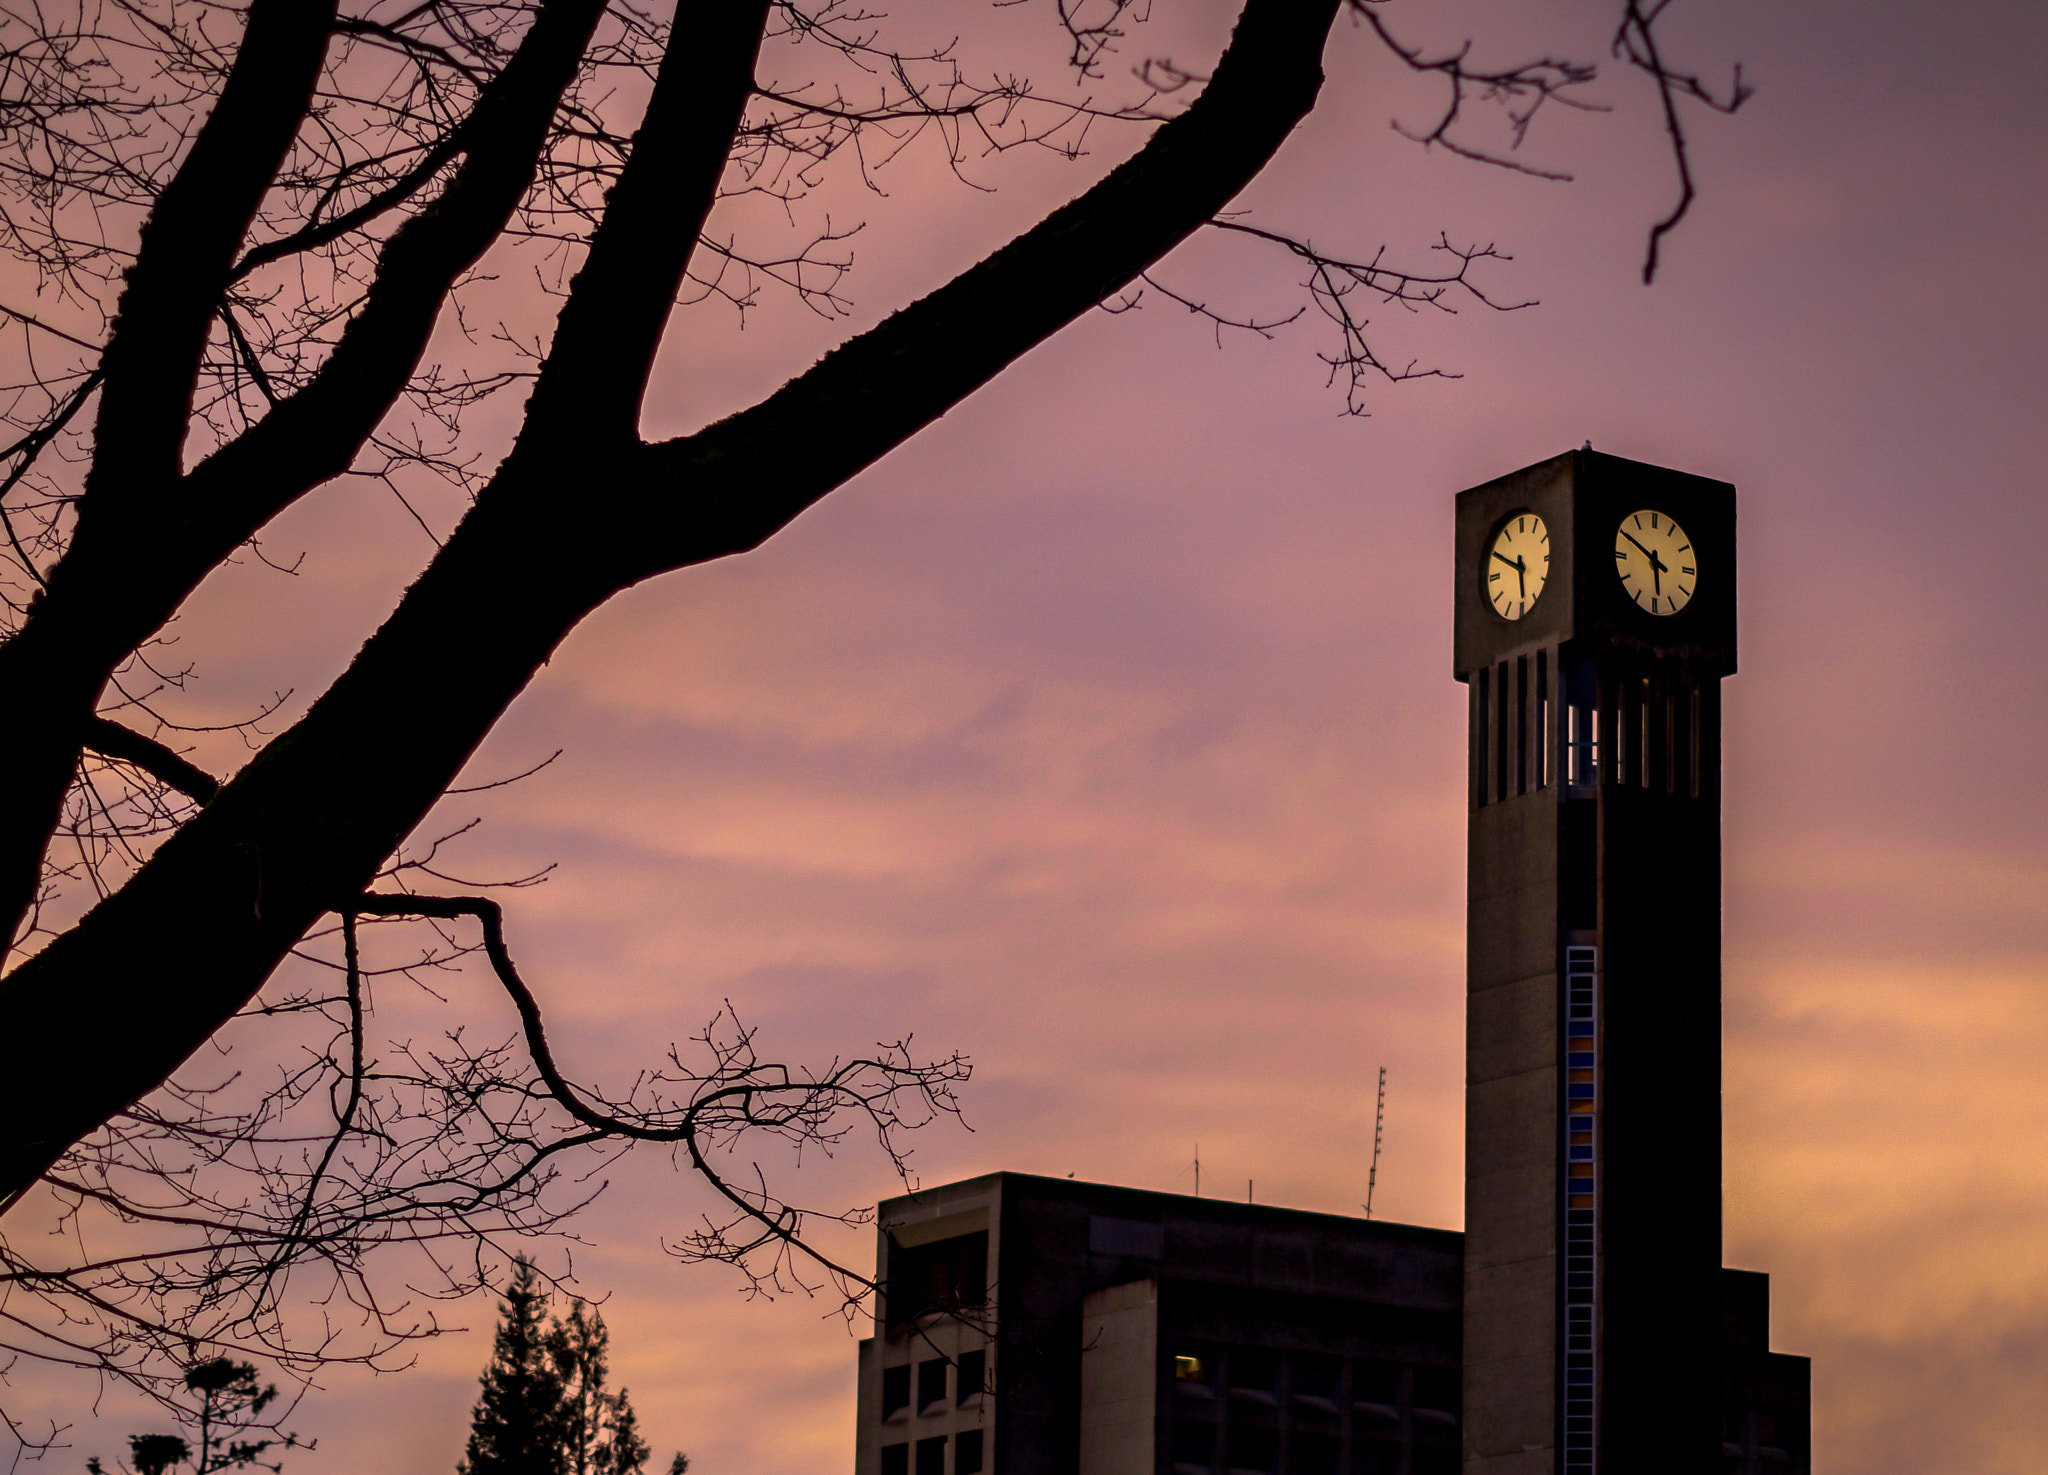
<point x="1656" y="564"/>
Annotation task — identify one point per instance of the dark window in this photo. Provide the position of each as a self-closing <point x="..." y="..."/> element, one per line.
<point x="1481" y="734"/>
<point x="1436" y="1388"/>
<point x="1194" y="1443"/>
<point x="973" y="1376"/>
<point x="1310" y="1453"/>
<point x="1132" y="1237"/>
<point x="1433" y="1461"/>
<point x="1253" y="1448"/>
<point x="1376" y="1382"/>
<point x="946" y="1275"/>
<point x="1503" y="696"/>
<point x="895" y="1459"/>
<point x="931" y="1383"/>
<point x="1253" y="1369"/>
<point x="931" y="1456"/>
<point x="1374" y="1457"/>
<point x="1315" y="1376"/>
<point x="895" y="1389"/>
<point x="1521" y="724"/>
<point x="967" y="1452"/>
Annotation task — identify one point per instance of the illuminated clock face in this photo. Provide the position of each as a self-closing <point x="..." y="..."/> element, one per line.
<point x="1656" y="561"/>
<point x="1517" y="565"/>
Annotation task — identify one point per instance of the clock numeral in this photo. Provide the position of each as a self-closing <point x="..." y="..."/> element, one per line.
<point x="1688" y="571"/>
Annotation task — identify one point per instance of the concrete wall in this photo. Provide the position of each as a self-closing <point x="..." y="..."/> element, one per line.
<point x="1120" y="1379"/>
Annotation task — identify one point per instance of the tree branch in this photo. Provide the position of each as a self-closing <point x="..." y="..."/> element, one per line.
<point x="302" y="828"/>
<point x="110" y="739"/>
<point x="132" y="565"/>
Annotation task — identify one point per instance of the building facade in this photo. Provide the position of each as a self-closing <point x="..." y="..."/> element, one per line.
<point x="1040" y="1326"/>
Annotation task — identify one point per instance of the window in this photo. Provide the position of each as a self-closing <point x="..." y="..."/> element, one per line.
<point x="945" y="1275"/>
<point x="1253" y="1370"/>
<point x="967" y="1452"/>
<point x="895" y="1459"/>
<point x="1194" y="1443"/>
<point x="895" y="1390"/>
<point x="1310" y="1453"/>
<point x="1253" y="1448"/>
<point x="931" y="1456"/>
<point x="1522" y="784"/>
<point x="1696" y="759"/>
<point x="1371" y="1457"/>
<point x="1431" y="1461"/>
<point x="1315" y="1376"/>
<point x="1482" y="733"/>
<point x="931" y="1383"/>
<point x="1194" y="1368"/>
<point x="1376" y="1382"/>
<point x="1504" y="694"/>
<point x="972" y="1380"/>
<point x="1436" y="1389"/>
<point x="1132" y="1237"/>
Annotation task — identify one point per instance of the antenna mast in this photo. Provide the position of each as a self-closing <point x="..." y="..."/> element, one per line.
<point x="1379" y="1123"/>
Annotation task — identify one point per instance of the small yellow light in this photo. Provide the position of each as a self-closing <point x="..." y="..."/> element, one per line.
<point x="1189" y="1369"/>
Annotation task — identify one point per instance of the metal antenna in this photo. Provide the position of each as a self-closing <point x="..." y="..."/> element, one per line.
<point x="1379" y="1124"/>
<point x="1198" y="1170"/>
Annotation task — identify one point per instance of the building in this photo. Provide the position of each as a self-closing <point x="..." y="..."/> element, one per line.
<point x="1040" y="1326"/>
<point x="1596" y="1329"/>
<point x="1595" y="620"/>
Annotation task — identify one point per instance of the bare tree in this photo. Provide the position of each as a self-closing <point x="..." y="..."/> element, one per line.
<point x="246" y="222"/>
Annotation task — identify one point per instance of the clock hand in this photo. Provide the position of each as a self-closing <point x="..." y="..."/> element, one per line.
<point x="1657" y="569"/>
<point x="1521" y="569"/>
<point x="1642" y="550"/>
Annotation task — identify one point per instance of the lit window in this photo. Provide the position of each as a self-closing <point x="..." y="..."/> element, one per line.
<point x="1188" y="1368"/>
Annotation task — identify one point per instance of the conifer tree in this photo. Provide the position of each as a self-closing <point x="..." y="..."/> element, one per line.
<point x="230" y="1403"/>
<point x="600" y="1433"/>
<point x="516" y="1428"/>
<point x="545" y="1409"/>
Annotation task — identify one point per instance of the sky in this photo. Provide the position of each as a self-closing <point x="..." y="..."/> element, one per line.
<point x="1106" y="731"/>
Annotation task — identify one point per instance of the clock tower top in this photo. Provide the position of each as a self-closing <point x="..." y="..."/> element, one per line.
<point x="1640" y="561"/>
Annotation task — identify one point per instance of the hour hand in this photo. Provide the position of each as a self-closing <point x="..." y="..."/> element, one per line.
<point x="1521" y="569"/>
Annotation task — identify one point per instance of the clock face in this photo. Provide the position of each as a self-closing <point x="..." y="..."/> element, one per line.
<point x="1656" y="562"/>
<point x="1517" y="565"/>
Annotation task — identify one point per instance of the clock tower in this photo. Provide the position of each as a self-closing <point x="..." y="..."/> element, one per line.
<point x="1595" y="621"/>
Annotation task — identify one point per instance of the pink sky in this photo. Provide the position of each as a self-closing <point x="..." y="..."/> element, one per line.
<point x="1106" y="732"/>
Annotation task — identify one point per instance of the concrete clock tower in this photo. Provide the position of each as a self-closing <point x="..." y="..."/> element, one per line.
<point x="1595" y="621"/>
